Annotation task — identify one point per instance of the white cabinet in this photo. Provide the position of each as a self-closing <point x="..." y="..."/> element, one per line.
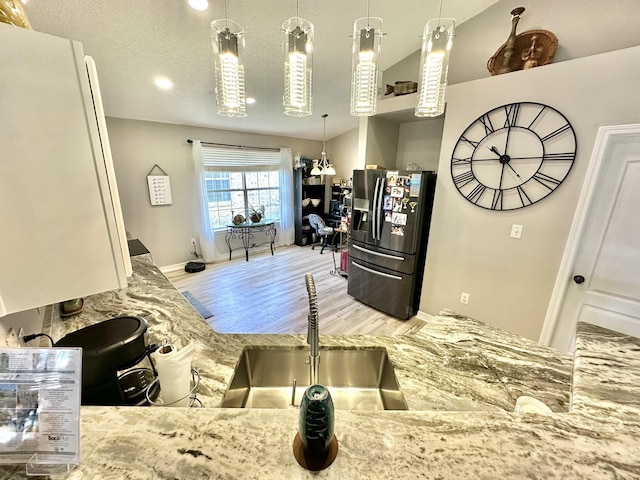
<point x="58" y="230"/>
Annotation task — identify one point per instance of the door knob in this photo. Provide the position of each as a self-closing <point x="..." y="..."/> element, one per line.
<point x="578" y="279"/>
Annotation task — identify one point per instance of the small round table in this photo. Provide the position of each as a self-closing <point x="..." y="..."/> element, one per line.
<point x="246" y="232"/>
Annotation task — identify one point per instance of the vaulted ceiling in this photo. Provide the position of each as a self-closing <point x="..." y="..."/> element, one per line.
<point x="134" y="41"/>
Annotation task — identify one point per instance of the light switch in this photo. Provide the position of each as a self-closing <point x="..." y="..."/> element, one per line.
<point x="516" y="231"/>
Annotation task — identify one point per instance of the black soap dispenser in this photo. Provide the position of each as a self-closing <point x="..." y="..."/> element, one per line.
<point x="315" y="445"/>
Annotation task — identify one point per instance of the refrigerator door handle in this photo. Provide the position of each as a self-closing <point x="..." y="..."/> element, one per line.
<point x="384" y="255"/>
<point x="379" y="208"/>
<point x="374" y="217"/>
<point x="375" y="272"/>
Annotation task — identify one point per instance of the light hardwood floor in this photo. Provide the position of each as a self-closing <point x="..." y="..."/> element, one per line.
<point x="268" y="294"/>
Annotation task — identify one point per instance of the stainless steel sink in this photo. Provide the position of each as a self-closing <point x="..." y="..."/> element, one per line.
<point x="357" y="379"/>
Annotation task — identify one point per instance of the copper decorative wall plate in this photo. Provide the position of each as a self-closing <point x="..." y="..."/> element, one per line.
<point x="532" y="48"/>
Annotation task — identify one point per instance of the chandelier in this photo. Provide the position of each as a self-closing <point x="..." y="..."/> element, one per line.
<point x="323" y="167"/>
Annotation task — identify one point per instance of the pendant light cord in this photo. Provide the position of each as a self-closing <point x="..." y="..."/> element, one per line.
<point x="368" y="5"/>
<point x="440" y="12"/>
<point x="324" y="133"/>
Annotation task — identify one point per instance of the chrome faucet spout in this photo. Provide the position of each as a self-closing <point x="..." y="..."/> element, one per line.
<point x="313" y="331"/>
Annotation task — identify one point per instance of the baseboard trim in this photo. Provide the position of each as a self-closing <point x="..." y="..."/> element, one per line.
<point x="424" y="316"/>
<point x="237" y="253"/>
<point x="173" y="268"/>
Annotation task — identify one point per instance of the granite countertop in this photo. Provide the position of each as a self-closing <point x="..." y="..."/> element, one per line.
<point x="455" y="363"/>
<point x="460" y="379"/>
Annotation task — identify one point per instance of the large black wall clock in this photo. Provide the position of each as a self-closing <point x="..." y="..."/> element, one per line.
<point x="513" y="156"/>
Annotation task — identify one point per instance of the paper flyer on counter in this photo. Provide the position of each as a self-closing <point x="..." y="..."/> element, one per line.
<point x="40" y="391"/>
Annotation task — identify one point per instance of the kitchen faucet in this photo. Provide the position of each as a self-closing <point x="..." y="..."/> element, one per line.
<point x="313" y="333"/>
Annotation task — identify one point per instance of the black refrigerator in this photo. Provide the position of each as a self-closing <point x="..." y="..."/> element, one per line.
<point x="391" y="214"/>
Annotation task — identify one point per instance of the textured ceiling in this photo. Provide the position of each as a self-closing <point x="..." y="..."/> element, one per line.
<point x="133" y="41"/>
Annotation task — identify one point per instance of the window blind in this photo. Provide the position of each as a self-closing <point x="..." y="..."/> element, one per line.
<point x="239" y="159"/>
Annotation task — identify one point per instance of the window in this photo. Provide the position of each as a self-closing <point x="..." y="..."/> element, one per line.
<point x="230" y="193"/>
<point x="239" y="180"/>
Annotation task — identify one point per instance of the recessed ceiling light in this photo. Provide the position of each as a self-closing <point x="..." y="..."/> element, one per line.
<point x="250" y="100"/>
<point x="163" y="83"/>
<point x="200" y="5"/>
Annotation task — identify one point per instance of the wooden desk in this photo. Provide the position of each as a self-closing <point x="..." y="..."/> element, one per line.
<point x="246" y="232"/>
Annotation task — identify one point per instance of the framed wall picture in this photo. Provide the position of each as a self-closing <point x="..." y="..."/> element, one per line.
<point x="159" y="187"/>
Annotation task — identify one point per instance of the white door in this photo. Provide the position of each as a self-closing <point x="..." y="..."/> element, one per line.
<point x="599" y="281"/>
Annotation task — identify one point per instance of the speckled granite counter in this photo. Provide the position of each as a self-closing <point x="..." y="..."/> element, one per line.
<point x="460" y="379"/>
<point x="454" y="364"/>
<point x="606" y="379"/>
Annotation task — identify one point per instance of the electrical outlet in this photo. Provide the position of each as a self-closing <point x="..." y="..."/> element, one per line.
<point x="11" y="338"/>
<point x="516" y="231"/>
<point x="193" y="243"/>
<point x="464" y="298"/>
<point x="20" y="335"/>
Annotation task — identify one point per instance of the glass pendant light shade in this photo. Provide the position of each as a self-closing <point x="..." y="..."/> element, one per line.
<point x="434" y="65"/>
<point x="322" y="166"/>
<point x="297" y="45"/>
<point x="228" y="47"/>
<point x="328" y="170"/>
<point x="316" y="169"/>
<point x="364" y="73"/>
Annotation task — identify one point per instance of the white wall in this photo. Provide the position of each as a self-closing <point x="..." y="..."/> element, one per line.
<point x="406" y="70"/>
<point x="510" y="281"/>
<point x="343" y="153"/>
<point x="419" y="143"/>
<point x="137" y="145"/>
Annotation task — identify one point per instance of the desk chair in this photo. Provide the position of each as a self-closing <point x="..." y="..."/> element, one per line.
<point x="322" y="231"/>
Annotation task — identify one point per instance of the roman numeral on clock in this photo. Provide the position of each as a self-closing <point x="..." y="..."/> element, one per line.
<point x="496" y="204"/>
<point x="463" y="178"/>
<point x="461" y="161"/>
<point x="511" y="112"/>
<point x="546" y="180"/>
<point x="559" y="131"/>
<point x="565" y="156"/>
<point x="475" y="144"/>
<point x="475" y="194"/>
<point x="488" y="126"/>
<point x="524" y="198"/>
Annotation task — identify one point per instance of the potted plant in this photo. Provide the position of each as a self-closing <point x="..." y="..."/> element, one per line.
<point x="256" y="214"/>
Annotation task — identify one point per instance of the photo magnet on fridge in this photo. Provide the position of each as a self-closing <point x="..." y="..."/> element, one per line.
<point x="403" y="182"/>
<point x="397" y="192"/>
<point x="399" y="218"/>
<point x="414" y="188"/>
<point x="397" y="230"/>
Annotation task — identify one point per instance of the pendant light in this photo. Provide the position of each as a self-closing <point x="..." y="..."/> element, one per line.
<point x="364" y="66"/>
<point x="200" y="5"/>
<point x="297" y="43"/>
<point x="437" y="40"/>
<point x="228" y="47"/>
<point x="323" y="167"/>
